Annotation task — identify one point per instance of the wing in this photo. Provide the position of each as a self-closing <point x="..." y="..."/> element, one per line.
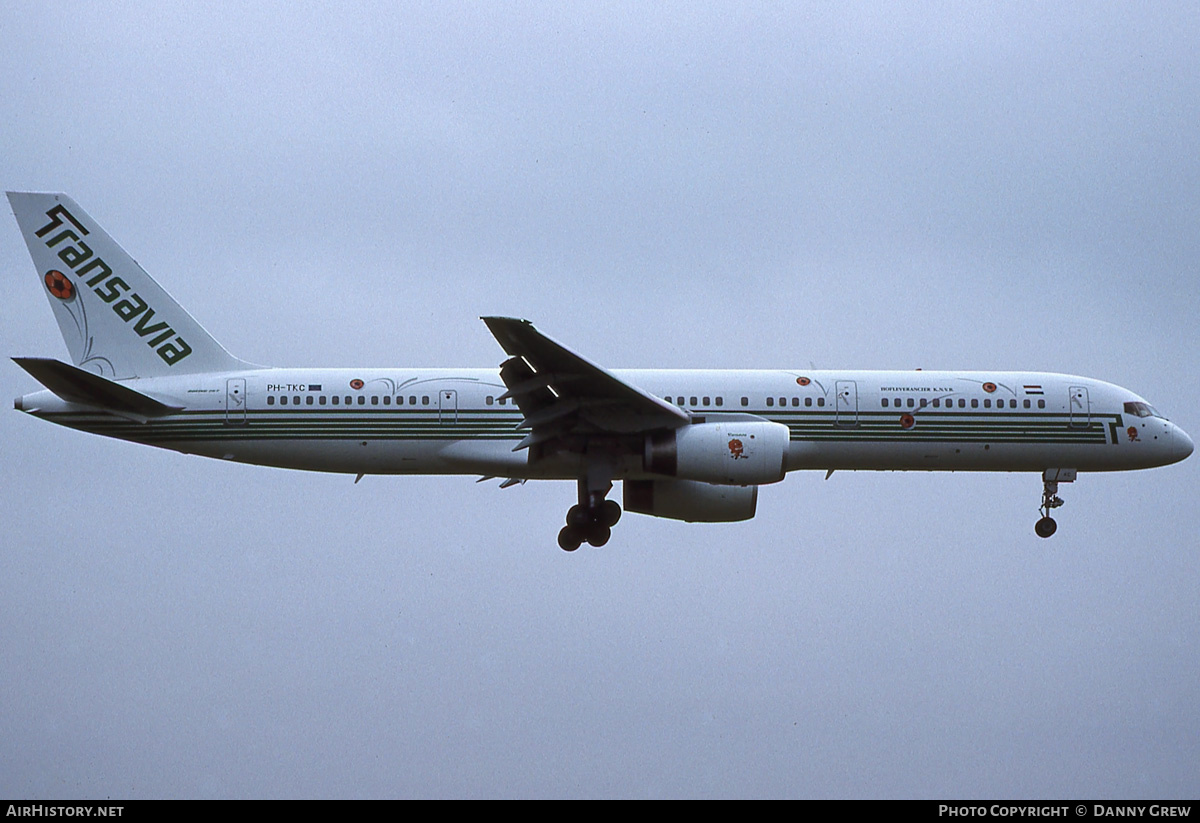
<point x="561" y="393"/>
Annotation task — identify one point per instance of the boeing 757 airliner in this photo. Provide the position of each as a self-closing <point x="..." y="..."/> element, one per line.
<point x="688" y="445"/>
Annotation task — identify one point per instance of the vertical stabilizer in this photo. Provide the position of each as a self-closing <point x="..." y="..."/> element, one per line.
<point x="116" y="321"/>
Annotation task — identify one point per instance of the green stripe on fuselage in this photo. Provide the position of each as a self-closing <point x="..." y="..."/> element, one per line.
<point x="431" y="424"/>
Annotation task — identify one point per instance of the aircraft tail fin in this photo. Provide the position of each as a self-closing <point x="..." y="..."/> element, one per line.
<point x="117" y="322"/>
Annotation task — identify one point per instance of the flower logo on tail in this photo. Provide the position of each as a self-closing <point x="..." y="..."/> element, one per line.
<point x="59" y="285"/>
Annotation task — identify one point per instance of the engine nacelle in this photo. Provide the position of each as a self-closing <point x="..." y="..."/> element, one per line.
<point x="690" y="500"/>
<point x="727" y="452"/>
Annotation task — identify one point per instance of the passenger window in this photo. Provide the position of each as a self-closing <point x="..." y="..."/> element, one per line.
<point x="1041" y="404"/>
<point x="693" y="400"/>
<point x="720" y="401"/>
<point x="296" y="400"/>
<point x="770" y="401"/>
<point x="374" y="400"/>
<point x="308" y="401"/>
<point x="783" y="401"/>
<point x="937" y="403"/>
<point x="387" y="400"/>
<point x="795" y="401"/>
<point x="488" y="400"/>
<point x="974" y="402"/>
<point x="987" y="402"/>
<point x="349" y="400"/>
<point x="808" y="401"/>
<point x="424" y="400"/>
<point x="707" y="401"/>
<point x="910" y="403"/>
<point x="820" y="401"/>
<point x="745" y="401"/>
<point x="1026" y="403"/>
<point x="336" y="399"/>
<point x="412" y="400"/>
<point x="321" y="400"/>
<point x="362" y="400"/>
<point x="885" y="402"/>
<point x="962" y="403"/>
<point x="923" y="402"/>
<point x="270" y="400"/>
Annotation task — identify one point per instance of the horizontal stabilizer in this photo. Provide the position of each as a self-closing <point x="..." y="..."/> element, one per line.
<point x="78" y="386"/>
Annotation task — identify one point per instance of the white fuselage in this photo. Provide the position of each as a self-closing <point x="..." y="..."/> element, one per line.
<point x="452" y="421"/>
<point x="690" y="445"/>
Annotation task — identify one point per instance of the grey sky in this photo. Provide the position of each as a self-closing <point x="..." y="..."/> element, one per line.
<point x="857" y="186"/>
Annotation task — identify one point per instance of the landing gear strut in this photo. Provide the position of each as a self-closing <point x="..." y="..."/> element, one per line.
<point x="591" y="520"/>
<point x="1050" y="499"/>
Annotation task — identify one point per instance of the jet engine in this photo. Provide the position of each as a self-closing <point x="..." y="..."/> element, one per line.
<point x="725" y="452"/>
<point x="691" y="500"/>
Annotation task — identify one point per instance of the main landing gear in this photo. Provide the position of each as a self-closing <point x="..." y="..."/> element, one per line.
<point x="591" y="520"/>
<point x="1050" y="499"/>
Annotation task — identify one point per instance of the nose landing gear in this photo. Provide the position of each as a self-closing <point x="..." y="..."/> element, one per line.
<point x="1050" y="499"/>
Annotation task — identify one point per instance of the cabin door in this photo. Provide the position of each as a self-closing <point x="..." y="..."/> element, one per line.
<point x="1081" y="408"/>
<point x="448" y="406"/>
<point x="845" y="403"/>
<point x="235" y="401"/>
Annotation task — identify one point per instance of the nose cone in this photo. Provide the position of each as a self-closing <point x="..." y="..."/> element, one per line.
<point x="1181" y="444"/>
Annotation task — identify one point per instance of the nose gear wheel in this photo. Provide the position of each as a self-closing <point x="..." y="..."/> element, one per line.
<point x="1046" y="526"/>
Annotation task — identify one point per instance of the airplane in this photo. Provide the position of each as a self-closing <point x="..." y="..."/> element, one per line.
<point x="691" y="445"/>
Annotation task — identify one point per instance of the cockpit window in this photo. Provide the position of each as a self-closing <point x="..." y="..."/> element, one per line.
<point x="1140" y="409"/>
